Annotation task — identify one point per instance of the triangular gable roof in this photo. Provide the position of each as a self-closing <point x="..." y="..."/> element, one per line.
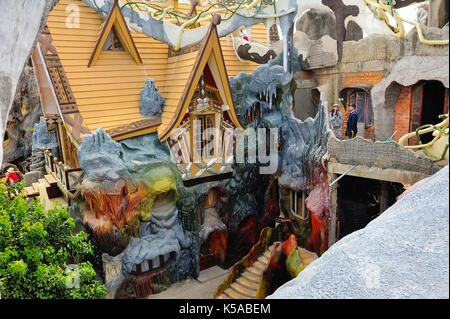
<point x="180" y="85"/>
<point x="115" y="19"/>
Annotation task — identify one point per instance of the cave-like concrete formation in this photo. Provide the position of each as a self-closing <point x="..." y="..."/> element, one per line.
<point x="20" y="23"/>
<point x="407" y="71"/>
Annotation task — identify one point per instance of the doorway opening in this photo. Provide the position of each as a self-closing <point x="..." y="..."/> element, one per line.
<point x="360" y="200"/>
<point x="429" y="100"/>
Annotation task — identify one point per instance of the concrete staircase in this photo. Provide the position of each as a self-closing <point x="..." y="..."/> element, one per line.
<point x="246" y="285"/>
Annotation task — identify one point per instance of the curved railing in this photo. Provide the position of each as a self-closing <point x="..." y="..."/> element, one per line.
<point x="380" y="9"/>
<point x="241" y="266"/>
<point x="439" y="131"/>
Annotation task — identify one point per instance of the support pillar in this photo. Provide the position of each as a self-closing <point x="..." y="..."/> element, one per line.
<point x="332" y="236"/>
<point x="384" y="196"/>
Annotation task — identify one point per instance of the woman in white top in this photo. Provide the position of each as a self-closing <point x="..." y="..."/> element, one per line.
<point x="335" y="121"/>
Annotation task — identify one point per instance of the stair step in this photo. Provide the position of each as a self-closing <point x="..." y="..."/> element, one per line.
<point x="227" y="296"/>
<point x="50" y="179"/>
<point x="234" y="294"/>
<point x="30" y="191"/>
<point x="251" y="276"/>
<point x="255" y="271"/>
<point x="251" y="285"/>
<point x="231" y="294"/>
<point x="36" y="187"/>
<point x="243" y="290"/>
<point x="44" y="181"/>
<point x="260" y="265"/>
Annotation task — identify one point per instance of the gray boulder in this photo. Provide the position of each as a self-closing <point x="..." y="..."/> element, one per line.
<point x="404" y="253"/>
<point x="151" y="101"/>
<point x="42" y="138"/>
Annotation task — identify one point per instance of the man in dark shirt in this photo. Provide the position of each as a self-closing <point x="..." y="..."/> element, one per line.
<point x="352" y="122"/>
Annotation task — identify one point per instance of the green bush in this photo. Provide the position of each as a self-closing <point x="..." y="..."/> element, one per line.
<point x="36" y="247"/>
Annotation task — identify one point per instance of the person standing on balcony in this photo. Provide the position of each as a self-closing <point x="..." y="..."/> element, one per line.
<point x="335" y="121"/>
<point x="352" y="122"/>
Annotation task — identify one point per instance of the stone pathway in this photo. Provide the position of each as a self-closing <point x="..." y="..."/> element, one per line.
<point x="201" y="288"/>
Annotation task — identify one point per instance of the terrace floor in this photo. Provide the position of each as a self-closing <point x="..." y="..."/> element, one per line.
<point x="201" y="288"/>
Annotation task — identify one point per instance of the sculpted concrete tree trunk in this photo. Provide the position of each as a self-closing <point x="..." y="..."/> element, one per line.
<point x="21" y="22"/>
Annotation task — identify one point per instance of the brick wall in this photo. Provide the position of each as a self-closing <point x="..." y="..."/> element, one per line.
<point x="356" y="79"/>
<point x="353" y="79"/>
<point x="402" y="112"/>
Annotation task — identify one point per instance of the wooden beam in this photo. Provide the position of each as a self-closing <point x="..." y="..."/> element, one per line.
<point x="382" y="174"/>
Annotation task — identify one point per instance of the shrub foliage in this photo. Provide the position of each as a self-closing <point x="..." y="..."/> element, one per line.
<point x="39" y="251"/>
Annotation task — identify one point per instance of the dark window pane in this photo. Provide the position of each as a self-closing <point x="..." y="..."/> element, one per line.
<point x="214" y="96"/>
<point x="360" y="106"/>
<point x="369" y="112"/>
<point x="117" y="45"/>
<point x="108" y="43"/>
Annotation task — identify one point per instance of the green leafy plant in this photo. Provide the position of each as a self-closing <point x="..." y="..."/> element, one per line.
<point x="40" y="256"/>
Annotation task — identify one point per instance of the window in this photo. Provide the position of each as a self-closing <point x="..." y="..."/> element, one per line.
<point x="204" y="135"/>
<point x="363" y="107"/>
<point x="429" y="99"/>
<point x="112" y="42"/>
<point x="298" y="205"/>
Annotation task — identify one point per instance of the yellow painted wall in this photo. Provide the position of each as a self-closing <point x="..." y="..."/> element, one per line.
<point x="108" y="93"/>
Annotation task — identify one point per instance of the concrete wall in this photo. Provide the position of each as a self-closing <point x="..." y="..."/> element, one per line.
<point x="368" y="62"/>
<point x="438" y="13"/>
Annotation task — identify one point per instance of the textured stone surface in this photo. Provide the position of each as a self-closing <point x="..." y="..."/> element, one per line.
<point x="403" y="253"/>
<point x="42" y="138"/>
<point x="20" y="22"/>
<point x="315" y="54"/>
<point x="143" y="161"/>
<point x="390" y="48"/>
<point x="26" y="111"/>
<point x="317" y="23"/>
<point x="151" y="101"/>
<point x="387" y="154"/>
<point x="438" y="13"/>
<point x="102" y="160"/>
